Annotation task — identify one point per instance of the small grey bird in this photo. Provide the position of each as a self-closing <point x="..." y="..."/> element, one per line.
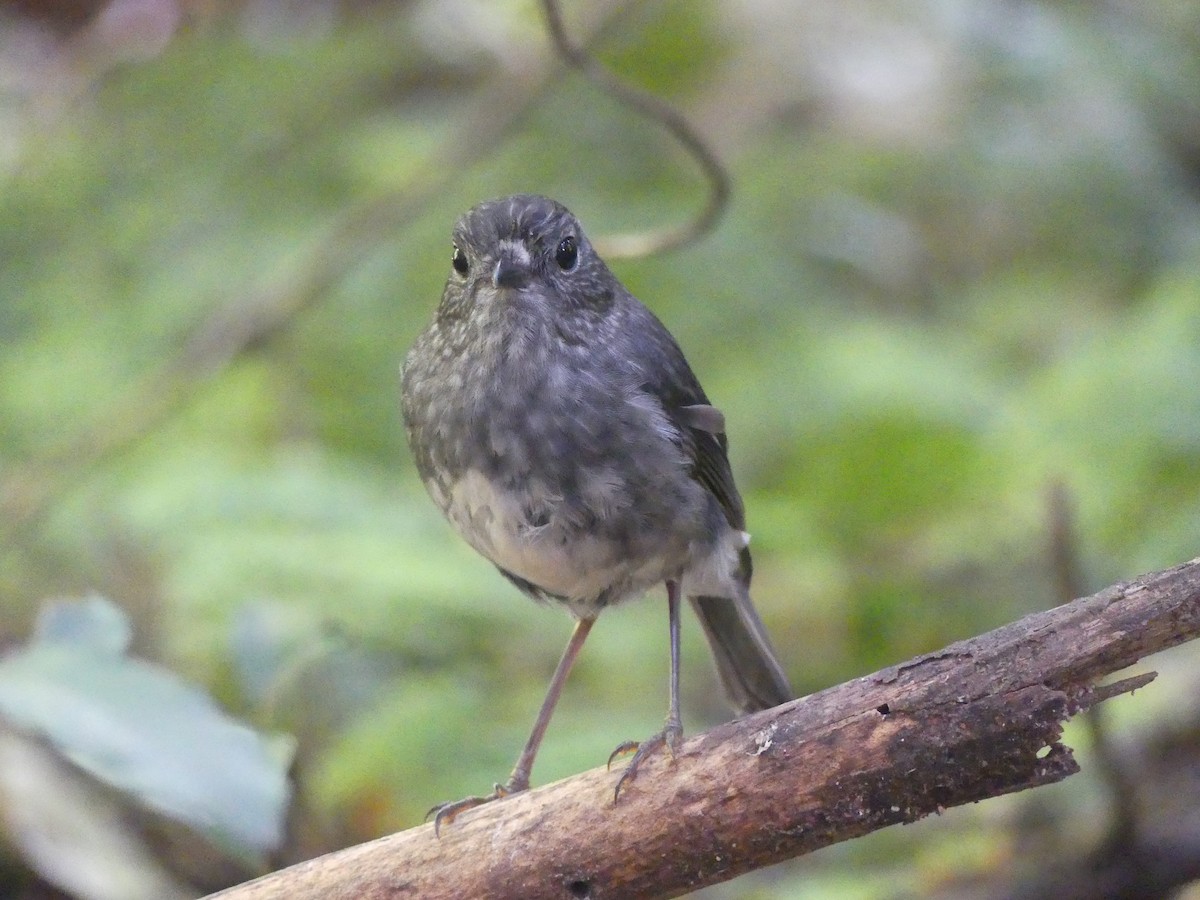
<point x="557" y="425"/>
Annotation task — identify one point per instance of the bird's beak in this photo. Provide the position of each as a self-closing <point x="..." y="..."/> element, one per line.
<point x="512" y="268"/>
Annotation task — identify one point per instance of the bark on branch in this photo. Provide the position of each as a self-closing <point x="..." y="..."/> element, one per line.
<point x="980" y="718"/>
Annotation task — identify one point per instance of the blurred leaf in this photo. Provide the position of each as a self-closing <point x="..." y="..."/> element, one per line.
<point x="91" y="625"/>
<point x="73" y="831"/>
<point x="144" y="731"/>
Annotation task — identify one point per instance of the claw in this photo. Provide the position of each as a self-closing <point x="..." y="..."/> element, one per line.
<point x="669" y="737"/>
<point x="621" y="749"/>
<point x="445" y="812"/>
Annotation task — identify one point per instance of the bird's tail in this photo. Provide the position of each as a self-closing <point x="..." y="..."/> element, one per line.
<point x="750" y="672"/>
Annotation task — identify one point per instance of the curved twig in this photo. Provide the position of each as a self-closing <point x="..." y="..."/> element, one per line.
<point x="646" y="243"/>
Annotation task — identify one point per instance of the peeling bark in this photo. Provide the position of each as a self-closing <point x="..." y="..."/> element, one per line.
<point x="980" y="718"/>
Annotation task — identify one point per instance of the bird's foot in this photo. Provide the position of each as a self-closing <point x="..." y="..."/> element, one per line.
<point x="670" y="737"/>
<point x="446" y="812"/>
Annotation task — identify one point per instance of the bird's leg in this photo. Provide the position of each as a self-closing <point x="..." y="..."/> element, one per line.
<point x="672" y="731"/>
<point x="519" y="779"/>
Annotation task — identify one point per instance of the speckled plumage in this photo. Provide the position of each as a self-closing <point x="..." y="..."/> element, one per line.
<point x="556" y="423"/>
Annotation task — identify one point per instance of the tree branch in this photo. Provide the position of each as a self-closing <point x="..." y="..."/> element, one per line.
<point x="980" y="718"/>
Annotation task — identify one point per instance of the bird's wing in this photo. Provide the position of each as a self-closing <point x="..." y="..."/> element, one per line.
<point x="701" y="426"/>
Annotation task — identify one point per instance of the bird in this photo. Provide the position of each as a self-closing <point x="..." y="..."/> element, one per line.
<point x="556" y="424"/>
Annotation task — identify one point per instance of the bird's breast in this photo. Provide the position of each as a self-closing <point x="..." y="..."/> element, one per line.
<point x="546" y="540"/>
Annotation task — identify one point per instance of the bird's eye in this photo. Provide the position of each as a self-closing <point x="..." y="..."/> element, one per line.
<point x="459" y="261"/>
<point x="567" y="254"/>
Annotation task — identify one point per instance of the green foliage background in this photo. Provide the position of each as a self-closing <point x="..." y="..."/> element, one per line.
<point x="962" y="264"/>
